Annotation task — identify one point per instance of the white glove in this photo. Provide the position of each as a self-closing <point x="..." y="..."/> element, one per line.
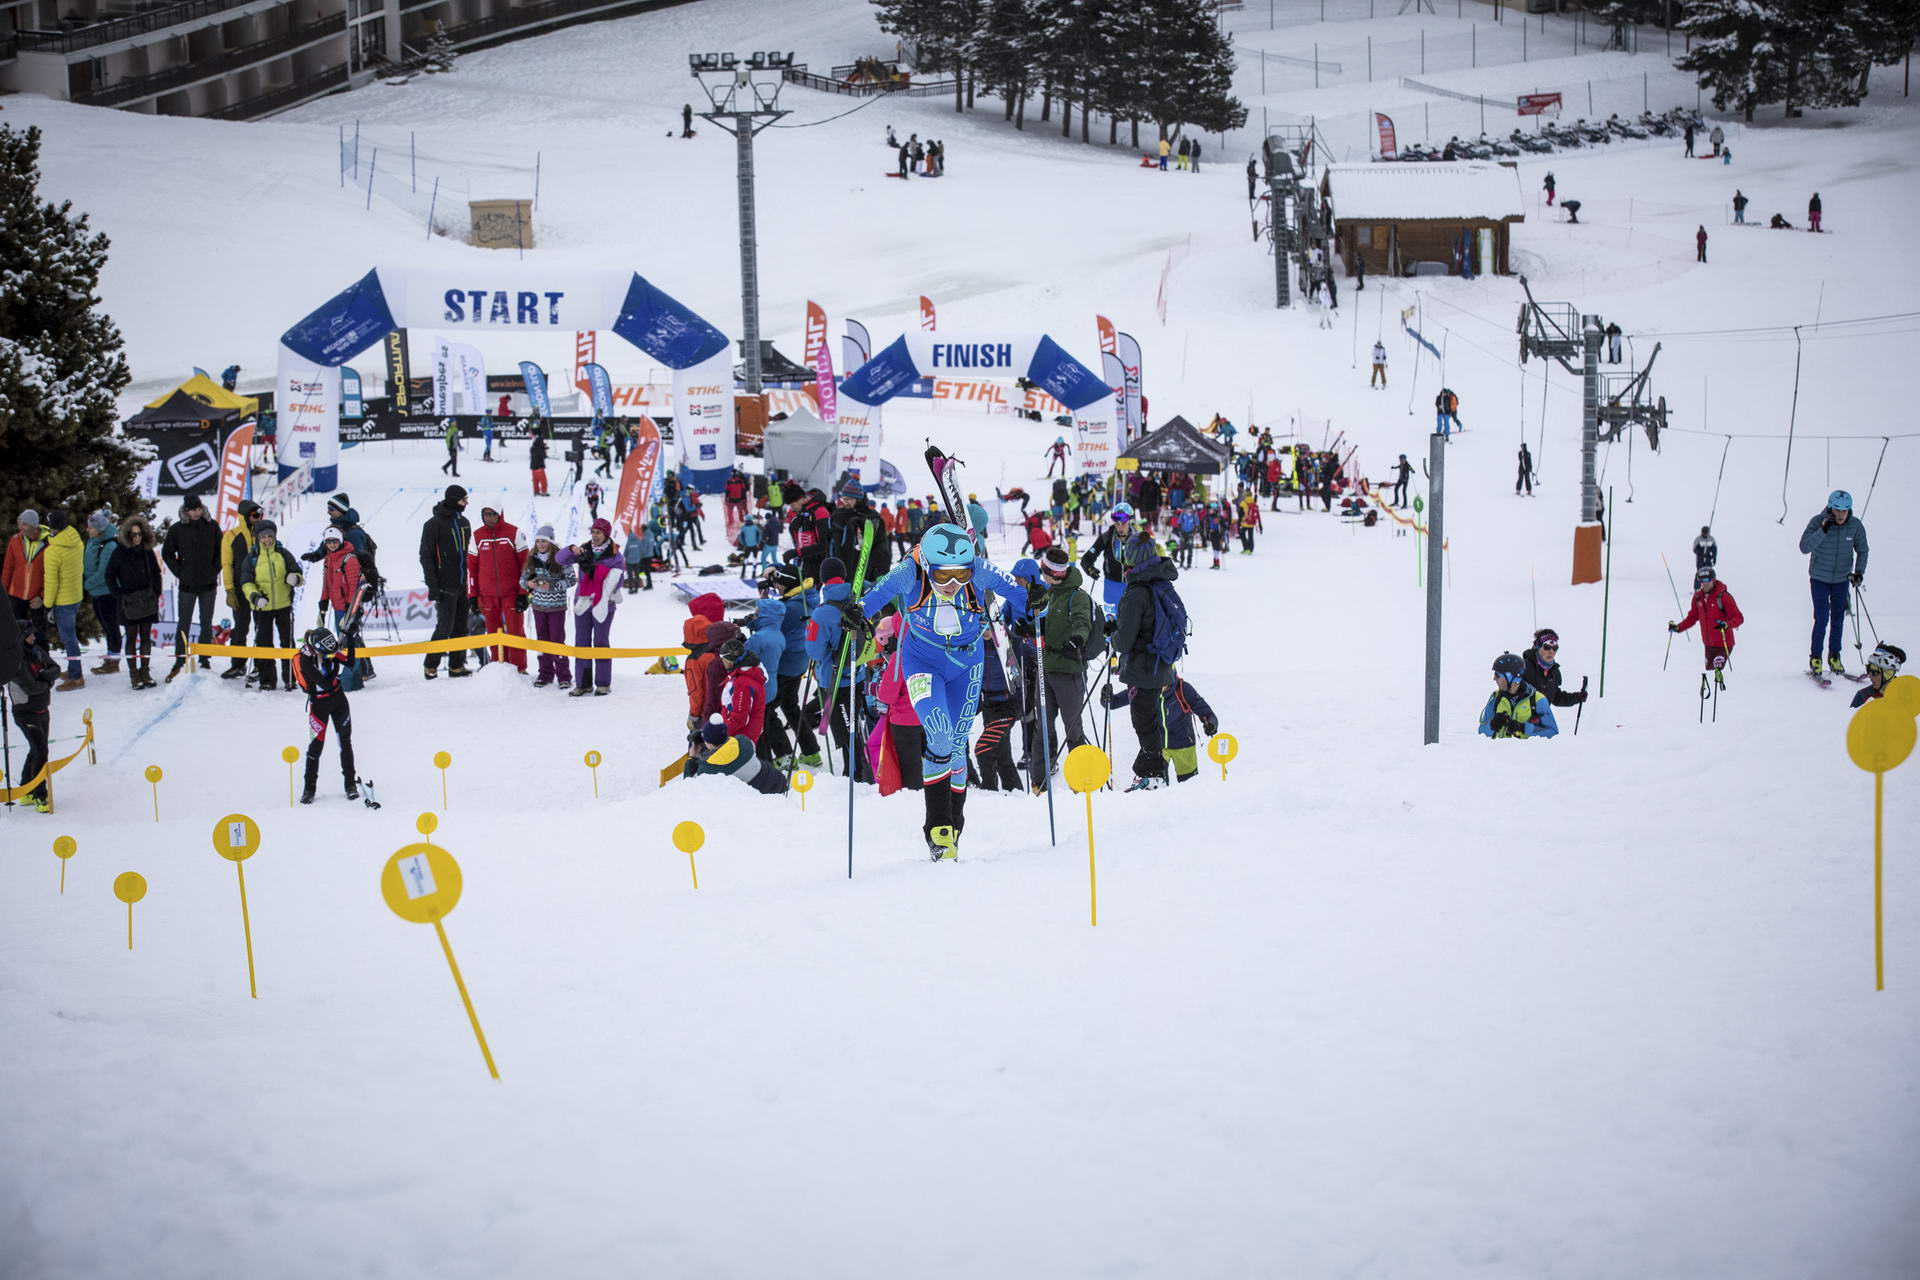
<point x="294" y="579"/>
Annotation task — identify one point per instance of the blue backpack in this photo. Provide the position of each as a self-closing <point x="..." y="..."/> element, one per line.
<point x="1168" y="642"/>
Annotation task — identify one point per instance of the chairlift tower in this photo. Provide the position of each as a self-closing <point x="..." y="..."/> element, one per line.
<point x="1614" y="402"/>
<point x="745" y="97"/>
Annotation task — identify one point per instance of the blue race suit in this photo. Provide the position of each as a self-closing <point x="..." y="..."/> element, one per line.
<point x="941" y="658"/>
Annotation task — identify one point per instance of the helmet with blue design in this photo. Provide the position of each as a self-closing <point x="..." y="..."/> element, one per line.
<point x="1840" y="500"/>
<point x="1121" y="511"/>
<point x="946" y="546"/>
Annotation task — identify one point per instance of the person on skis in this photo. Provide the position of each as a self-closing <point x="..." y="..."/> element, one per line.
<point x="1104" y="556"/>
<point x="1056" y="454"/>
<point x="1705" y="550"/>
<point x="1835" y="544"/>
<point x="939" y="590"/>
<point x="1882" y="666"/>
<point x="1714" y="609"/>
<point x="1515" y="709"/>
<point x="1176" y="704"/>
<point x="318" y="671"/>
<point x="1402" y="471"/>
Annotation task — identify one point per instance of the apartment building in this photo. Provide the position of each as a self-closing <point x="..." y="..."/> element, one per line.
<point x="244" y="59"/>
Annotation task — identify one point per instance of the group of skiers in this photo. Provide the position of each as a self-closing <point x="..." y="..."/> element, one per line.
<point x="916" y="158"/>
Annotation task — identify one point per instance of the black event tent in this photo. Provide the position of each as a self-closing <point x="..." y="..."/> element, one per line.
<point x="181" y="410"/>
<point x="1177" y="446"/>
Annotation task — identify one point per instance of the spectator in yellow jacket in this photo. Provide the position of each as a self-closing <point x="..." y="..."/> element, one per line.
<point x="63" y="575"/>
<point x="235" y="546"/>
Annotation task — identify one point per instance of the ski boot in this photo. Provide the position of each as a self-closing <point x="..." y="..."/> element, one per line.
<point x="1147" y="784"/>
<point x="353" y="789"/>
<point x="943" y="843"/>
<point x="306" y="794"/>
<point x="1813" y="664"/>
<point x="811" y="759"/>
<point x="1833" y="664"/>
<point x="40" y="804"/>
<point x="1720" y="677"/>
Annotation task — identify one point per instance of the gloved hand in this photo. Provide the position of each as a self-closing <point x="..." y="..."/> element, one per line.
<point x="1580" y="697"/>
<point x="1111" y="625"/>
<point x="259" y="601"/>
<point x="520" y="603"/>
<point x="318" y="553"/>
<point x="1092" y="572"/>
<point x="1211" y="724"/>
<point x="1673" y="626"/>
<point x="1827" y="522"/>
<point x="233" y="599"/>
<point x="295" y="579"/>
<point x="1501" y="723"/>
<point x="1854" y="578"/>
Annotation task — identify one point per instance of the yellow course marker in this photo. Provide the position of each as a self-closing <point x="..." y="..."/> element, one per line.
<point x="1087" y="770"/>
<point x="803" y="783"/>
<point x="1221" y="749"/>
<point x="290" y="754"/>
<point x="236" y="837"/>
<point x="1879" y="737"/>
<point x="592" y="760"/>
<point x="64" y="848"/>
<point x="130" y="887"/>
<point x="687" y="837"/>
<point x="426" y="824"/>
<point x="153" y="776"/>
<point x="440" y="761"/>
<point x="421" y="884"/>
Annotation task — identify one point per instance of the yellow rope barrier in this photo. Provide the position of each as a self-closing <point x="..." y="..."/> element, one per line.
<point x="54" y="766"/>
<point x="488" y="641"/>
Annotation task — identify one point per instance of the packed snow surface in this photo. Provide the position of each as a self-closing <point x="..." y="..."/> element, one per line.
<point x="1595" y="1006"/>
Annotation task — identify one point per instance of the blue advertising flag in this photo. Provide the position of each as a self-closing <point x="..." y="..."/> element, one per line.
<point x="602" y="390"/>
<point x="536" y="380"/>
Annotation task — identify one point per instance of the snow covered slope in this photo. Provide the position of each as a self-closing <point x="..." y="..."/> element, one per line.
<point x="1600" y="1006"/>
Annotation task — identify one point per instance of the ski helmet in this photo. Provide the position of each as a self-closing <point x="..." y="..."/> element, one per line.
<point x="1887" y="659"/>
<point x="1703" y="579"/>
<point x="946" y="546"/>
<point x="1508" y="665"/>
<point x="1121" y="511"/>
<point x="322" y="642"/>
<point x="1840" y="500"/>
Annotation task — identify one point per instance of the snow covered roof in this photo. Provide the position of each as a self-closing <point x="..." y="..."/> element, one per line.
<point x="1404" y="191"/>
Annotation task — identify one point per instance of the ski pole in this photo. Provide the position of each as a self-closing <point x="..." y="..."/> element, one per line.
<point x="1663" y="661"/>
<point x="1046" y="745"/>
<point x="1703" y="697"/>
<point x="1583" y="703"/>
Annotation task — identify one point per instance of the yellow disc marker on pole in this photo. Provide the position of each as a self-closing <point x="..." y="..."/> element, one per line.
<point x="421" y="884"/>
<point x="1087" y="770"/>
<point x="440" y="761"/>
<point x="153" y="776"/>
<point x="1903" y="692"/>
<point x="1221" y="749"/>
<point x="290" y="754"/>
<point x="1879" y="737"/>
<point x="687" y="837"/>
<point x="64" y="848"/>
<point x="592" y="759"/>
<point x="803" y="783"/>
<point x="236" y="837"/>
<point x="129" y="887"/>
<point x="426" y="824"/>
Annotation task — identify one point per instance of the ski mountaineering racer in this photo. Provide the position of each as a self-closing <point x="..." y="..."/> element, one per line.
<point x="938" y="590"/>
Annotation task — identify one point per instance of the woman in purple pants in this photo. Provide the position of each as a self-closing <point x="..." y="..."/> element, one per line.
<point x="545" y="581"/>
<point x="595" y="597"/>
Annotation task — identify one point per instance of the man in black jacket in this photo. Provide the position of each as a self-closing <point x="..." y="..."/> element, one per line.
<point x="1141" y="669"/>
<point x="444" y="542"/>
<point x="30" y="673"/>
<point x="853" y="513"/>
<point x="1543" y="670"/>
<point x="191" y="552"/>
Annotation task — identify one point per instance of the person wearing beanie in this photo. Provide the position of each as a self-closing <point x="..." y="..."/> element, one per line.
<point x="596" y="595"/>
<point x="544" y="582"/>
<point x="24" y="571"/>
<point x="341" y="514"/>
<point x="808" y="523"/>
<point x="715" y="751"/>
<point x="445" y="541"/>
<point x="493" y="568"/>
<point x="236" y="544"/>
<point x="853" y="522"/>
<point x="191" y="552"/>
<point x="268" y="578"/>
<point x="102" y="537"/>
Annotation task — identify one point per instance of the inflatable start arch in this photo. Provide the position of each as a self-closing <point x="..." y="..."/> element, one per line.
<point x="492" y="299"/>
<point x="1035" y="357"/>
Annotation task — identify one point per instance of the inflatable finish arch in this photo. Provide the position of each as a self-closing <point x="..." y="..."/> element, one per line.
<point x="1035" y="357"/>
<point x="493" y="299"/>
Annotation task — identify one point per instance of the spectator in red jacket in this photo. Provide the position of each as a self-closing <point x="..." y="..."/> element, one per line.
<point x="493" y="571"/>
<point x="340" y="578"/>
<point x="1713" y="608"/>
<point x="743" y="690"/>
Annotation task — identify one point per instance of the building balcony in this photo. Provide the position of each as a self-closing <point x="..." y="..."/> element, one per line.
<point x="135" y="88"/>
<point x="156" y="19"/>
<point x="286" y="96"/>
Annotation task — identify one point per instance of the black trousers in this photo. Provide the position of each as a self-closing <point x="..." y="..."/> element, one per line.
<point x="1066" y="692"/>
<point x="34" y="726"/>
<point x="993" y="753"/>
<point x="321" y="712"/>
<point x="909" y="744"/>
<point x="106" y="611"/>
<point x="1525" y="478"/>
<point x="1144" y="710"/>
<point x="787" y="702"/>
<point x="265" y="623"/>
<point x="449" y="620"/>
<point x="242" y="628"/>
<point x="1399" y="493"/>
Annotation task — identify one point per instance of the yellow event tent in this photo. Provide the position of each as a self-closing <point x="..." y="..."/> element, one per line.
<point x="207" y="391"/>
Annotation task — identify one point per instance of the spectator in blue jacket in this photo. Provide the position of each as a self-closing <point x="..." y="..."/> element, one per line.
<point x="1835" y="544"/>
<point x="782" y="583"/>
<point x="836" y="679"/>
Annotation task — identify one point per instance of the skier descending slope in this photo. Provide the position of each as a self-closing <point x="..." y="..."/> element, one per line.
<point x="938" y="591"/>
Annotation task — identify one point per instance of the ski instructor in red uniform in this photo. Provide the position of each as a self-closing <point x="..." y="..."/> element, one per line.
<point x="493" y="568"/>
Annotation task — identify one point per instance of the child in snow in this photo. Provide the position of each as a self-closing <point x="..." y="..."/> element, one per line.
<point x="1515" y="709"/>
<point x="1882" y="667"/>
<point x="1177" y="703"/>
<point x="733" y="755"/>
<point x="1713" y="608"/>
<point x="545" y="580"/>
<point x="318" y="671"/>
<point x="597" y="595"/>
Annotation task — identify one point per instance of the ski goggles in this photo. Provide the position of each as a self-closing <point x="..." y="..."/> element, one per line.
<point x="947" y="575"/>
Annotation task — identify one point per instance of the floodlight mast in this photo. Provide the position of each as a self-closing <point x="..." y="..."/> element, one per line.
<point x="745" y="99"/>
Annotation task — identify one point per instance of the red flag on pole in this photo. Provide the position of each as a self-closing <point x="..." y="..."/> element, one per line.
<point x="1109" y="344"/>
<point x="636" y="477"/>
<point x="1385" y="125"/>
<point x="926" y="313"/>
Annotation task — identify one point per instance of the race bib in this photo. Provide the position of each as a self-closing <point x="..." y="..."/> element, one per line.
<point x="919" y="686"/>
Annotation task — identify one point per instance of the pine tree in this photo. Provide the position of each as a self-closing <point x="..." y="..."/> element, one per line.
<point x="60" y="362"/>
<point x="440" y="55"/>
<point x="1800" y="53"/>
<point x="1732" y="53"/>
<point x="1190" y="78"/>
